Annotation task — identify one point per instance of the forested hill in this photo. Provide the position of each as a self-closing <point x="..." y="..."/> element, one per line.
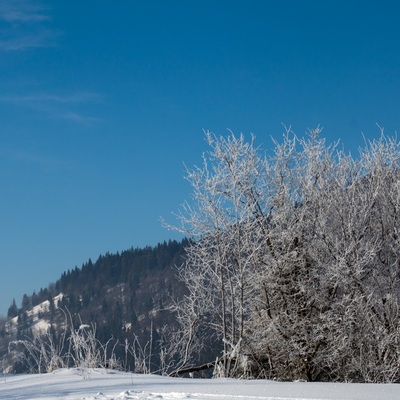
<point x="128" y="270"/>
<point x="124" y="294"/>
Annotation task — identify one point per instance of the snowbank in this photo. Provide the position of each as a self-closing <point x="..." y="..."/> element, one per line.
<point x="76" y="384"/>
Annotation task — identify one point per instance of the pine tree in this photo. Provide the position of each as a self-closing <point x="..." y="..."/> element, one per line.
<point x="13" y="310"/>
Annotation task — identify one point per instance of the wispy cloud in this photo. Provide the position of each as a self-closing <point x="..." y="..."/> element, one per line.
<point x="17" y="11"/>
<point x="57" y="106"/>
<point x="79" y="118"/>
<point x="78" y="97"/>
<point x="27" y="41"/>
<point x="25" y="25"/>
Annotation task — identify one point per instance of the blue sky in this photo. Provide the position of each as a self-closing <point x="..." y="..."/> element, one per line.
<point x="101" y="103"/>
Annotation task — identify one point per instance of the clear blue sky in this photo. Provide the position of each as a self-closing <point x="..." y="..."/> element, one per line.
<point x="101" y="103"/>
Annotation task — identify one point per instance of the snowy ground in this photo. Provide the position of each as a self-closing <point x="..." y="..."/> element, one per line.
<point x="98" y="385"/>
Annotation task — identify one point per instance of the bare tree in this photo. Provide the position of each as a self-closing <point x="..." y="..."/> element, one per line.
<point x="218" y="273"/>
<point x="294" y="261"/>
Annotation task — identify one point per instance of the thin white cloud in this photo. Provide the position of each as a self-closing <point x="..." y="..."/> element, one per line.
<point x="27" y="41"/>
<point x="78" y="97"/>
<point x="25" y="25"/>
<point x="23" y="11"/>
<point x="57" y="106"/>
<point x="78" y="118"/>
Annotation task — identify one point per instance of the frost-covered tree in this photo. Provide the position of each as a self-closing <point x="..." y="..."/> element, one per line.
<point x="221" y="258"/>
<point x="294" y="261"/>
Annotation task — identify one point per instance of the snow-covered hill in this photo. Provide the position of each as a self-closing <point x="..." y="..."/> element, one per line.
<point x="74" y="384"/>
<point x="35" y="315"/>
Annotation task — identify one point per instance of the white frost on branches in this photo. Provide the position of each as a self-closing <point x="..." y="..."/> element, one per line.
<point x="294" y="263"/>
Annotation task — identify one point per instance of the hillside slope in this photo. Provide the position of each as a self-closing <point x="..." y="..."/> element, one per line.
<point x="126" y="297"/>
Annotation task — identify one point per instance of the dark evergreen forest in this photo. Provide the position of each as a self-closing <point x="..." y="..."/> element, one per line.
<point x="124" y="296"/>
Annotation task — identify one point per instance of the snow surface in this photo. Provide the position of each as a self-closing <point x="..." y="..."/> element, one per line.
<point x="74" y="384"/>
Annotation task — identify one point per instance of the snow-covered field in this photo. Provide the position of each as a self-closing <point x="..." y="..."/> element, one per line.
<point x="98" y="385"/>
